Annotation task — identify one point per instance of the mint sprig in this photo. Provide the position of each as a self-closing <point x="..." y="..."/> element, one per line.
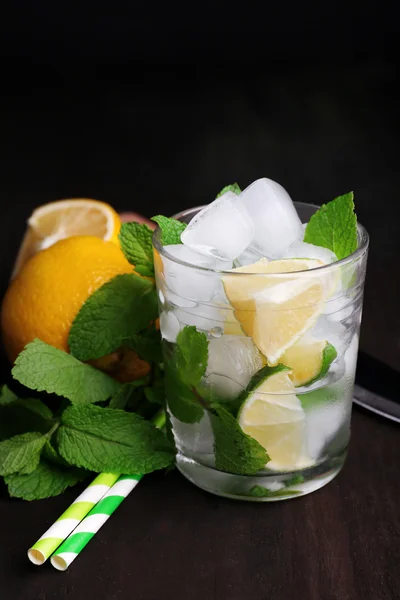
<point x="334" y="226"/>
<point x="136" y="244"/>
<point x="105" y="439"/>
<point x="46" y="369"/>
<point x="171" y="229"/>
<point x="119" y="309"/>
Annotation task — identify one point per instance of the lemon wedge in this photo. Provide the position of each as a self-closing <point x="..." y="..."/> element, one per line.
<point x="309" y="360"/>
<point x="272" y="414"/>
<point x="276" y="302"/>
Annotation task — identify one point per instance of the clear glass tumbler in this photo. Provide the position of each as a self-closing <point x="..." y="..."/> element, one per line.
<point x="304" y="426"/>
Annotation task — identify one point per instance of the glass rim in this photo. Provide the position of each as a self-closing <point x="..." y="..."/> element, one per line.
<point x="358" y="253"/>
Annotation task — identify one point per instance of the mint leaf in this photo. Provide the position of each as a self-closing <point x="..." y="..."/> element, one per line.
<point x="191" y="355"/>
<point x="136" y="244"/>
<point x="21" y="453"/>
<point x="182" y="400"/>
<point x="171" y="229"/>
<point x="46" y="369"/>
<point x="120" y="308"/>
<point x="45" y="481"/>
<point x="147" y="344"/>
<point x="6" y="395"/>
<point x="334" y="226"/>
<point x="124" y="395"/>
<point x="233" y="187"/>
<point x="22" y="415"/>
<point x="184" y="372"/>
<point x="235" y="451"/>
<point x="110" y="440"/>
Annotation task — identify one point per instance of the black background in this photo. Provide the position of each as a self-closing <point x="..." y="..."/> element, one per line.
<point x="155" y="107"/>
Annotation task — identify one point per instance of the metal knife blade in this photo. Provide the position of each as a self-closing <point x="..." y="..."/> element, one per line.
<point x="378" y="404"/>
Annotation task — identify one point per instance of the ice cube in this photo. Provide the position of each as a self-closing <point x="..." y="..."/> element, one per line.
<point x="339" y="308"/>
<point x="194" y="439"/>
<point x="202" y="316"/>
<point x="334" y="332"/>
<point x="323" y="423"/>
<point x="221" y="230"/>
<point x="169" y="326"/>
<point x="232" y="361"/>
<point x="275" y="219"/>
<point x="183" y="284"/>
<point x="304" y="250"/>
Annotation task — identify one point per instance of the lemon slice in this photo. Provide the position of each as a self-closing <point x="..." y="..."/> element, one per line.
<point x="66" y="218"/>
<point x="272" y="414"/>
<point x="276" y="311"/>
<point x="309" y="360"/>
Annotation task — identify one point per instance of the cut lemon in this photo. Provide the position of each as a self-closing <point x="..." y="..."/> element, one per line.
<point x="272" y="414"/>
<point x="66" y="218"/>
<point x="277" y="302"/>
<point x="309" y="360"/>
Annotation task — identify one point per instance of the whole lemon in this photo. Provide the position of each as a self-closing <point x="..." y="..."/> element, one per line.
<point x="47" y="294"/>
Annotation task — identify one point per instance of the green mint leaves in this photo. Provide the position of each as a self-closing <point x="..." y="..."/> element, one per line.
<point x="334" y="226"/>
<point x="119" y="309"/>
<point x="136" y="244"/>
<point x="45" y="481"/>
<point x="235" y="451"/>
<point x="21" y="453"/>
<point x="233" y="187"/>
<point x="105" y="439"/>
<point x="171" y="229"/>
<point x="46" y="369"/>
<point x="183" y="373"/>
<point x="191" y="354"/>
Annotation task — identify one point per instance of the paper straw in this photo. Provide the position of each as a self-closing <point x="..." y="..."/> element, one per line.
<point x="82" y="535"/>
<point x="99" y="514"/>
<point x="65" y="524"/>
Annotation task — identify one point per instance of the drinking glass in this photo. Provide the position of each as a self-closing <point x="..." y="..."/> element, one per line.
<point x="308" y="428"/>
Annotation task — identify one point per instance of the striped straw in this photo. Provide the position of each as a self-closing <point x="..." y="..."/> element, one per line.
<point x="82" y="535"/>
<point x="65" y="524"/>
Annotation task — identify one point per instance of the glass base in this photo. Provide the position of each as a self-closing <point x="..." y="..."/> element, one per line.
<point x="266" y="487"/>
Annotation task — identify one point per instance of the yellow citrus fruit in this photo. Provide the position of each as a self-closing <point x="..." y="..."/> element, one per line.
<point x="277" y="302"/>
<point x="272" y="414"/>
<point x="309" y="360"/>
<point x="67" y="218"/>
<point x="44" y="298"/>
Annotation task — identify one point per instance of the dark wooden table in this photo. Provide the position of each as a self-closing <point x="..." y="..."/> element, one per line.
<point x="149" y="146"/>
<point x="171" y="540"/>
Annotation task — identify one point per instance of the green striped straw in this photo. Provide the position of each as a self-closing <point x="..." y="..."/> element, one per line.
<point x="99" y="514"/>
<point x="65" y="524"/>
<point x="82" y="535"/>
